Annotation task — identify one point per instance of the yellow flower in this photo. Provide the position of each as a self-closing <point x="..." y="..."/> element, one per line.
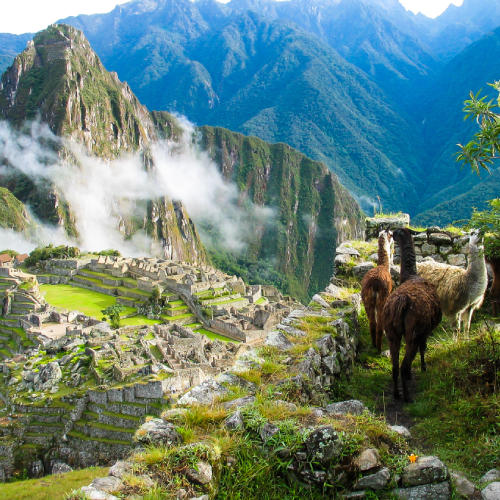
<point x="413" y="458"/>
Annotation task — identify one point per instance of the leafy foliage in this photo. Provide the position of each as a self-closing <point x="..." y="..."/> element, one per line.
<point x="113" y="312"/>
<point x="488" y="222"/>
<point x="51" y="252"/>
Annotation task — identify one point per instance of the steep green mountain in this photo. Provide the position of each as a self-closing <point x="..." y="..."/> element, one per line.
<point x="444" y="127"/>
<point x="59" y="79"/>
<point x="13" y="214"/>
<point x="10" y="46"/>
<point x="313" y="210"/>
<point x="310" y="212"/>
<point x="363" y="32"/>
<point x="264" y="78"/>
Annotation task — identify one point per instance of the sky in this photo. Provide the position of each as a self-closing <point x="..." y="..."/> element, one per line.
<point x="34" y="15"/>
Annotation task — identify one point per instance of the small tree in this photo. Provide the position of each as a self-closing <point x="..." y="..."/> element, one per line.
<point x="113" y="313"/>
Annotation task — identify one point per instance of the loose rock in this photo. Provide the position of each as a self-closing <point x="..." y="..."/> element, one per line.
<point x="202" y="475"/>
<point x="401" y="430"/>
<point x="205" y="393"/>
<point x="239" y="403"/>
<point x="491" y="475"/>
<point x="491" y="492"/>
<point x="235" y="421"/>
<point x="369" y="459"/>
<point x="278" y="340"/>
<point x="377" y="481"/>
<point x="158" y="431"/>
<point x="353" y="406"/>
<point x="441" y="491"/>
<point x="323" y="444"/>
<point x="425" y="471"/>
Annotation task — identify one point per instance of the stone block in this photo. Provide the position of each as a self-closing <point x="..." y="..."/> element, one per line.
<point x="115" y="395"/>
<point x="445" y="250"/>
<point x="323" y="444"/>
<point x="425" y="470"/>
<point x="439" y="239"/>
<point x="491" y="475"/>
<point x="457" y="260"/>
<point x="377" y="481"/>
<point x="151" y="390"/>
<point x="428" y="249"/>
<point x="420" y="238"/>
<point x="129" y="394"/>
<point x="98" y="397"/>
<point x="441" y="491"/>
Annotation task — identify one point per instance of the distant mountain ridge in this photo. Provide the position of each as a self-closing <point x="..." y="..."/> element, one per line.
<point x="278" y="70"/>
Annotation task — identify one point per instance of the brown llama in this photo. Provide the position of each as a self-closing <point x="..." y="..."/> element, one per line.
<point x="376" y="288"/>
<point x="412" y="312"/>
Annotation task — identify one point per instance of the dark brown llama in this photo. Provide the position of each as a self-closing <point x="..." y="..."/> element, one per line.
<point x="412" y="312"/>
<point x="494" y="262"/>
<point x="376" y="288"/>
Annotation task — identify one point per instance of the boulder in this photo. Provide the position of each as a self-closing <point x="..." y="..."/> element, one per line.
<point x="320" y="300"/>
<point x="59" y="467"/>
<point x="108" y="484"/>
<point x="377" y="481"/>
<point x="353" y="406"/>
<point x="441" y="491"/>
<point x="331" y="365"/>
<point x="232" y="379"/>
<point x="158" y="431"/>
<point x="278" y="340"/>
<point x="462" y="485"/>
<point x="201" y="475"/>
<point x="334" y="291"/>
<point x="120" y="469"/>
<point x="268" y="431"/>
<point x="400" y="429"/>
<point x="491" y="475"/>
<point x="239" y="403"/>
<point x="205" y="393"/>
<point x="323" y="445"/>
<point x="235" y="421"/>
<point x="48" y="376"/>
<point x="425" y="470"/>
<point x="326" y="345"/>
<point x="345" y="250"/>
<point x="369" y="459"/>
<point x="491" y="492"/>
<point x="440" y="239"/>
<point x="360" y="270"/>
<point x="35" y="469"/>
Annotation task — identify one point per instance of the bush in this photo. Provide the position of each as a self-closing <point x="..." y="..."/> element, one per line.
<point x="51" y="252"/>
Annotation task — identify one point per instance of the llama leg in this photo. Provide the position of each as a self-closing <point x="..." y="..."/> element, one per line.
<point x="370" y="312"/>
<point x="380" y="325"/>
<point x="411" y="352"/>
<point x="394" y="349"/>
<point x="423" y="364"/>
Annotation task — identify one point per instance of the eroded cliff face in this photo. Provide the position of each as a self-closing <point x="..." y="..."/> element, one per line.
<point x="315" y="212"/>
<point x="59" y="80"/>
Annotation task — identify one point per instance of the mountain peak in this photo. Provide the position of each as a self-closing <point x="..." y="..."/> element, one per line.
<point x="59" y="79"/>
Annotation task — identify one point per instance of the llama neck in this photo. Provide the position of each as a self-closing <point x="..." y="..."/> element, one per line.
<point x="383" y="252"/>
<point x="476" y="271"/>
<point x="408" y="260"/>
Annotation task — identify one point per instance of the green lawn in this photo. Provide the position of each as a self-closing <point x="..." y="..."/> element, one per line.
<point x="50" y="487"/>
<point x="213" y="336"/>
<point x="80" y="299"/>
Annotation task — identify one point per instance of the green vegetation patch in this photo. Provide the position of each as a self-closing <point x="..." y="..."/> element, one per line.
<point x="50" y="487"/>
<point x="72" y="298"/>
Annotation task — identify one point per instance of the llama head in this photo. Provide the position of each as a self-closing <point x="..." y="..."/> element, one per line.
<point x="476" y="238"/>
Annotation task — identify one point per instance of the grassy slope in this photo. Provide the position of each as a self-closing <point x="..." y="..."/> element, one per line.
<point x="456" y="412"/>
<point x="50" y="487"/>
<point x="13" y="213"/>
